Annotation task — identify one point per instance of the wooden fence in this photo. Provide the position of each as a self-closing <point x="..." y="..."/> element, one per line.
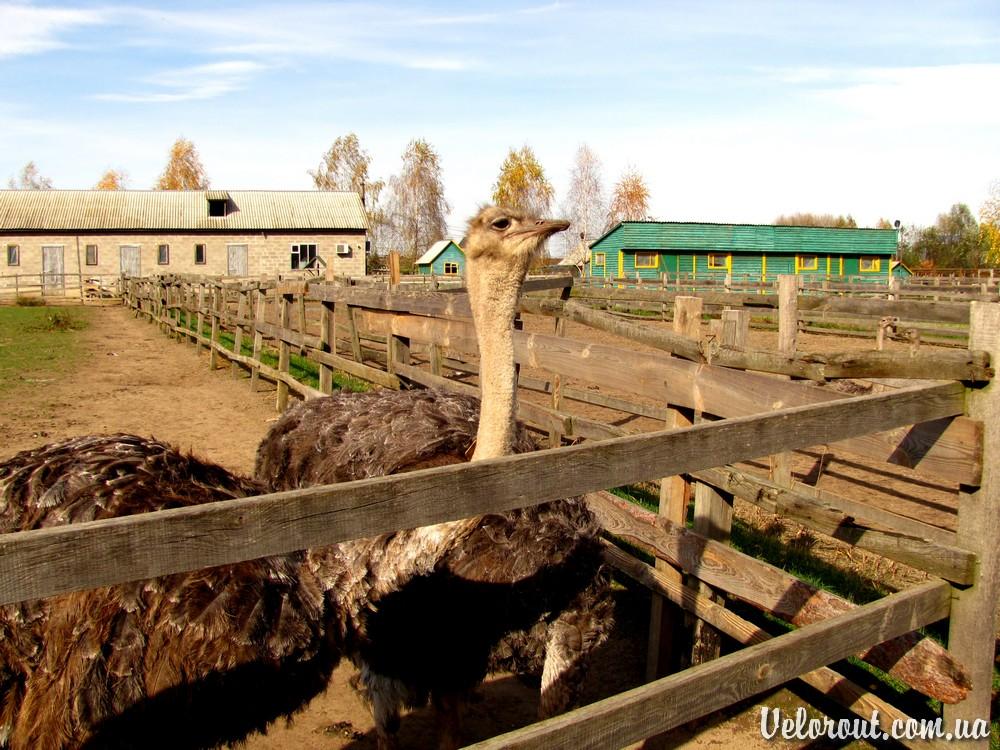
<point x="944" y="430"/>
<point x="71" y="288"/>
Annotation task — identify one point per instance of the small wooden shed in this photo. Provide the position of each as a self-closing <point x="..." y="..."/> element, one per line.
<point x="444" y="258"/>
<point x="747" y="251"/>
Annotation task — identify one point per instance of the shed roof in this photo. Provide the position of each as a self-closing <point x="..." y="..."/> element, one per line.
<point x="767" y="238"/>
<point x="179" y="209"/>
<point x="436" y="249"/>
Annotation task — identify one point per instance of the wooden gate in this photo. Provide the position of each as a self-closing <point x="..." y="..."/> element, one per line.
<point x="129" y="260"/>
<point x="237" y="260"/>
<point x="53" y="278"/>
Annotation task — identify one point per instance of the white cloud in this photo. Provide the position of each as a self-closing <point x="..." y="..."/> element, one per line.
<point x="29" y="30"/>
<point x="196" y="82"/>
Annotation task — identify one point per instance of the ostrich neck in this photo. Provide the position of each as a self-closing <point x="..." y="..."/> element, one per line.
<point x="493" y="297"/>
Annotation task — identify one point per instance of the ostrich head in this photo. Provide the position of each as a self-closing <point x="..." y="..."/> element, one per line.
<point x="499" y="247"/>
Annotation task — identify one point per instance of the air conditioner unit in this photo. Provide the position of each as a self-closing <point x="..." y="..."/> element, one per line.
<point x="343" y="249"/>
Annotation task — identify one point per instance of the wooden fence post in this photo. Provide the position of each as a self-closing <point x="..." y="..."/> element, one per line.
<point x="555" y="436"/>
<point x="327" y="343"/>
<point x="973" y="622"/>
<point x="735" y="328"/>
<point x="788" y="328"/>
<point x="218" y="300"/>
<point x="241" y="314"/>
<point x="284" y="351"/>
<point x="398" y="352"/>
<point x="352" y="330"/>
<point x="664" y="652"/>
<point x="260" y="301"/>
<point x="393" y="269"/>
<point x="201" y="313"/>
<point x="302" y="320"/>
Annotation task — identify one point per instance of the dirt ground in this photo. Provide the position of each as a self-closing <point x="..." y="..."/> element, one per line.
<point x="136" y="379"/>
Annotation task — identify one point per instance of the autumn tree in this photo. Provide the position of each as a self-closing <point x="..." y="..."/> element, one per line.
<point x="806" y="219"/>
<point x="629" y="199"/>
<point x="989" y="225"/>
<point x="184" y="170"/>
<point x="416" y="206"/>
<point x="522" y="184"/>
<point x="954" y="241"/>
<point x="345" y="167"/>
<point x="113" y="179"/>
<point x="30" y="179"/>
<point x="585" y="205"/>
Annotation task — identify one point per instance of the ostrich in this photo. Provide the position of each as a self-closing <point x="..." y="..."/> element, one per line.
<point x="187" y="660"/>
<point x="428" y="612"/>
<point x="207" y="657"/>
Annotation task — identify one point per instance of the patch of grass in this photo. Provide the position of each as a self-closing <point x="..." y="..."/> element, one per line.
<point x="30" y="302"/>
<point x="36" y="343"/>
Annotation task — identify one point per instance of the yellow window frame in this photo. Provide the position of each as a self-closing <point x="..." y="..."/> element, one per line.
<point x="600" y="259"/>
<point x="655" y="256"/>
<point x="453" y="266"/>
<point x="875" y="265"/>
<point x="727" y="261"/>
<point x="800" y="264"/>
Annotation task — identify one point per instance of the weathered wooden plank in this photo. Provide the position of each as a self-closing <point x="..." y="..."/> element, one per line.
<point x="949" y="448"/>
<point x="931" y="555"/>
<point x="54" y="560"/>
<point x="830" y="683"/>
<point x="920" y="662"/>
<point x="669" y="702"/>
<point x="365" y="372"/>
<point x="284" y="354"/>
<point x="974" y="618"/>
<point x="306" y="391"/>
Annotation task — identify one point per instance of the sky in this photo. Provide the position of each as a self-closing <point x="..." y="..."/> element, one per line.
<point x="732" y="111"/>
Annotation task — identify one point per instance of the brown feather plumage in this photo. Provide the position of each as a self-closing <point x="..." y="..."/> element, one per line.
<point x="434" y="618"/>
<point x="204" y="657"/>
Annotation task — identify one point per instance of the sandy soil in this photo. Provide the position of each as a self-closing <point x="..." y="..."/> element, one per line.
<point x="136" y="379"/>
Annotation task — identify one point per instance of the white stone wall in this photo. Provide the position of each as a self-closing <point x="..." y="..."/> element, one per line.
<point x="267" y="253"/>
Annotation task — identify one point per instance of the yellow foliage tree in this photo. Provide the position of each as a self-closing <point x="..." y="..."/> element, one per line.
<point x="522" y="183"/>
<point x="629" y="199"/>
<point x="184" y="170"/>
<point x="113" y="179"/>
<point x="989" y="226"/>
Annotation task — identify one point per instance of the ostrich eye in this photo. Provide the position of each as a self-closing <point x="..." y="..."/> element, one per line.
<point x="501" y="224"/>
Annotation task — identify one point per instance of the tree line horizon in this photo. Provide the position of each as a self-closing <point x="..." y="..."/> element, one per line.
<point x="406" y="213"/>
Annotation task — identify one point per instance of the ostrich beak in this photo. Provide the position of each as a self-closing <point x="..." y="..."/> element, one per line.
<point x="547" y="227"/>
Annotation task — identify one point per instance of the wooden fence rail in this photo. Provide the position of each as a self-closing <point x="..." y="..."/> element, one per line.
<point x="363" y="329"/>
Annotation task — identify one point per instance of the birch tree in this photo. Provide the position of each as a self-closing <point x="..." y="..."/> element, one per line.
<point x="113" y="179"/>
<point x="585" y="205"/>
<point x="416" y="207"/>
<point x="629" y="199"/>
<point x="29" y="179"/>
<point x="989" y="225"/>
<point x="184" y="170"/>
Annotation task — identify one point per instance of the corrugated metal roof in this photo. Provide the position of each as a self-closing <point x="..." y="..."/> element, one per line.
<point x="436" y="249"/>
<point x="178" y="209"/>
<point x="687" y="236"/>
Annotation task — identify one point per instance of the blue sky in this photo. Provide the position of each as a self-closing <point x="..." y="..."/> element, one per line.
<point x="733" y="111"/>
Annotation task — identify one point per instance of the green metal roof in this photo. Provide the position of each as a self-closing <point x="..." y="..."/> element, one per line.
<point x="755" y="238"/>
<point x="50" y="210"/>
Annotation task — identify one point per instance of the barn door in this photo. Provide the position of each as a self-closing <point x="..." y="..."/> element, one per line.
<point x="129" y="260"/>
<point x="237" y="260"/>
<point x="53" y="280"/>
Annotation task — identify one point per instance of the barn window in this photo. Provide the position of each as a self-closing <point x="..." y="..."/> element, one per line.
<point x="199" y="255"/>
<point x="599" y="259"/>
<point x="91" y="255"/>
<point x="870" y="265"/>
<point x="13" y="255"/>
<point x="718" y="262"/>
<point x="303" y="256"/>
<point x="217" y="207"/>
<point x="450" y="268"/>
<point x="163" y="254"/>
<point x="806" y="262"/>
<point x="646" y="260"/>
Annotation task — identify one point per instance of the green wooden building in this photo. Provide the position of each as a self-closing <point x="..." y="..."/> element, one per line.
<point x="445" y="258"/>
<point x="746" y="251"/>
